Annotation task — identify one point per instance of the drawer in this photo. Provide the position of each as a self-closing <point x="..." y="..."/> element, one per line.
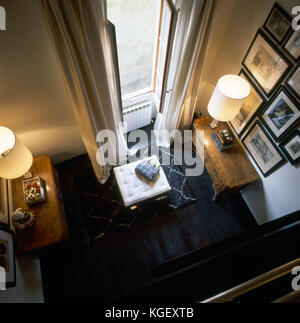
<point x="218" y="184"/>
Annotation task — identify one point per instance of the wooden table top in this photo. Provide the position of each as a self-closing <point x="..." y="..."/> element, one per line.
<point x="49" y="227"/>
<point x="233" y="165"/>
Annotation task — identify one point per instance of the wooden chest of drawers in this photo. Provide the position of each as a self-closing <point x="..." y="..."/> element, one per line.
<point x="230" y="170"/>
<point x="50" y="226"/>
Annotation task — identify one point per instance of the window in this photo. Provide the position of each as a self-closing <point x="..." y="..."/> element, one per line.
<point x="166" y="30"/>
<point x="144" y="33"/>
<point x="135" y="22"/>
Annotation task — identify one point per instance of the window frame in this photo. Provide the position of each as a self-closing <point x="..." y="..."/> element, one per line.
<point x="149" y="92"/>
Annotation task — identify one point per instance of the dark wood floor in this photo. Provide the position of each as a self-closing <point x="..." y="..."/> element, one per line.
<point x="112" y="267"/>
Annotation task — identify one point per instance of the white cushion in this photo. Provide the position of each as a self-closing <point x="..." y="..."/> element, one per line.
<point x="134" y="189"/>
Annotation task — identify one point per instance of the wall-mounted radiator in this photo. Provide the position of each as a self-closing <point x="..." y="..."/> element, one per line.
<point x="138" y="115"/>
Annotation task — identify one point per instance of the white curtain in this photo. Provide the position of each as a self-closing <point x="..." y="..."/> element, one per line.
<point x="189" y="49"/>
<point x="81" y="38"/>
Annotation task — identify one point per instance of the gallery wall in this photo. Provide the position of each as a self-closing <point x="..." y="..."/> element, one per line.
<point x="277" y="194"/>
<point x="28" y="287"/>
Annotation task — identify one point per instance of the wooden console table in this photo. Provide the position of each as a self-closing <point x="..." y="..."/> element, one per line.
<point x="230" y="170"/>
<point x="50" y="225"/>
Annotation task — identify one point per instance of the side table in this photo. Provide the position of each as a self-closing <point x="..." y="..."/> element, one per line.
<point x="50" y="225"/>
<point x="229" y="170"/>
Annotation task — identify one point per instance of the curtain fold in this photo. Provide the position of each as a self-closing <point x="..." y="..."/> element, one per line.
<point x="79" y="33"/>
<point x="190" y="44"/>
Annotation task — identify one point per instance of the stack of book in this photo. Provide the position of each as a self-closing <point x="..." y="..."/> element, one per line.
<point x="221" y="142"/>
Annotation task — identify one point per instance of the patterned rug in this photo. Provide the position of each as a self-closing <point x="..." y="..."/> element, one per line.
<point x="102" y="212"/>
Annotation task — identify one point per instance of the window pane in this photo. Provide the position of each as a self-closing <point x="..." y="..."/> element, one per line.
<point x="135" y="22"/>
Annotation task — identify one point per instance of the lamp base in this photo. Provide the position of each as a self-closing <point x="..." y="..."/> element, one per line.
<point x="214" y="124"/>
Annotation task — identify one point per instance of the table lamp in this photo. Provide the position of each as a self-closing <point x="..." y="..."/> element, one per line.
<point x="227" y="99"/>
<point x="15" y="158"/>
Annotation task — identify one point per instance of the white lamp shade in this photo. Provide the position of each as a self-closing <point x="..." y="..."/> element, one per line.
<point x="228" y="97"/>
<point x="15" y="158"/>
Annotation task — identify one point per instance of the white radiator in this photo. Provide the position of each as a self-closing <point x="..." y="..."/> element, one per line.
<point x="137" y="116"/>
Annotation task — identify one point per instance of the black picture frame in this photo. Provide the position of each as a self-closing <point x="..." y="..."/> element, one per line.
<point x="277" y="124"/>
<point x="262" y="146"/>
<point x="240" y="130"/>
<point x="7" y="238"/>
<point x="278" y="24"/>
<point x="288" y="46"/>
<point x="264" y="55"/>
<point x="285" y="149"/>
<point x="295" y="73"/>
<point x="4" y="204"/>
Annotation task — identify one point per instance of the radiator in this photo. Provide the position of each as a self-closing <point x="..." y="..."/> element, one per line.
<point x="137" y="116"/>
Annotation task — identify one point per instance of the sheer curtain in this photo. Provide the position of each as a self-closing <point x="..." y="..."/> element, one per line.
<point x="189" y="49"/>
<point x="82" y="41"/>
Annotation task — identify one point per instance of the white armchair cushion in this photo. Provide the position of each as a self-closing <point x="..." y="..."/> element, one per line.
<point x="135" y="189"/>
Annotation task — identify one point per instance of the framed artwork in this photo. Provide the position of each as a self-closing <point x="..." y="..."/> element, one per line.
<point x="291" y="148"/>
<point x="249" y="109"/>
<point x="264" y="64"/>
<point x="4" y="203"/>
<point x="265" y="154"/>
<point x="7" y="256"/>
<point x="278" y="24"/>
<point x="293" y="82"/>
<point x="281" y="112"/>
<point x="292" y="45"/>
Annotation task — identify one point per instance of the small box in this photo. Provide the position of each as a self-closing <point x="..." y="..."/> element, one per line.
<point x="34" y="190"/>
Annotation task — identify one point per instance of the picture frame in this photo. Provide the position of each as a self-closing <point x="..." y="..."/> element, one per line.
<point x="291" y="147"/>
<point x="278" y="24"/>
<point x="4" y="204"/>
<point x="293" y="82"/>
<point x="265" y="64"/>
<point x="292" y="45"/>
<point x="262" y="150"/>
<point x="7" y="255"/>
<point x="249" y="109"/>
<point x="280" y="114"/>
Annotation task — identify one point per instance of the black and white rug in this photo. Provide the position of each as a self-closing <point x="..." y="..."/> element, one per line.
<point x="102" y="213"/>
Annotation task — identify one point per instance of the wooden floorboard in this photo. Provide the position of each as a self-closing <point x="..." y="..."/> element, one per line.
<point x="111" y="267"/>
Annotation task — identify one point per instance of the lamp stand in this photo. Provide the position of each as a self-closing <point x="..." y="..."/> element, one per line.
<point x="214" y="124"/>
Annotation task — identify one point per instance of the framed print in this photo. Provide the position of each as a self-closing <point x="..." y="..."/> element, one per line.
<point x="249" y="109"/>
<point x="278" y="23"/>
<point x="264" y="153"/>
<point x="292" y="45"/>
<point x="291" y="148"/>
<point x="280" y="114"/>
<point x="7" y="256"/>
<point x="265" y="64"/>
<point x="293" y="82"/>
<point x="4" y="204"/>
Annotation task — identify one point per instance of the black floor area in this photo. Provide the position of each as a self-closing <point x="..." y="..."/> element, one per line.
<point x="110" y="268"/>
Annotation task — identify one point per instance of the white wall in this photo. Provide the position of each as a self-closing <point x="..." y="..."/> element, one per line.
<point x="235" y="25"/>
<point x="34" y="104"/>
<point x="29" y="284"/>
<point x="33" y="100"/>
